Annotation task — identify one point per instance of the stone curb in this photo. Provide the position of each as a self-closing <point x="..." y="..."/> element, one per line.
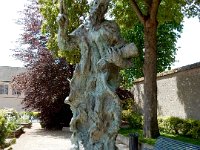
<point x="141" y="146"/>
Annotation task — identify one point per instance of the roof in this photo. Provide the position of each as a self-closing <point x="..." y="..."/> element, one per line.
<point x="7" y="73"/>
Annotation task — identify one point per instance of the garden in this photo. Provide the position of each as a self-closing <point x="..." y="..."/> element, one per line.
<point x="12" y="124"/>
<point x="185" y="130"/>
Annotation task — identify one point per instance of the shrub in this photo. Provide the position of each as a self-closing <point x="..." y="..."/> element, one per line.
<point x="12" y="117"/>
<point x="194" y="129"/>
<point x="3" y="129"/>
<point x="134" y="119"/>
<point x="171" y="125"/>
<point x="177" y="126"/>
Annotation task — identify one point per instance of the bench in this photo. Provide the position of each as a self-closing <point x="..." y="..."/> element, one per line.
<point x="164" y="143"/>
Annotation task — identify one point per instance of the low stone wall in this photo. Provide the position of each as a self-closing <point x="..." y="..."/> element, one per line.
<point x="178" y="92"/>
<point x="11" y="102"/>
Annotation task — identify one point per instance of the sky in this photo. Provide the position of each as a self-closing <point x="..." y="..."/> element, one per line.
<point x="189" y="43"/>
<point x="9" y="31"/>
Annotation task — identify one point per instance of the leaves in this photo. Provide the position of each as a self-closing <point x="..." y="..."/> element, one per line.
<point x="192" y="8"/>
<point x="167" y="36"/>
<point x="49" y="11"/>
<point x="46" y="82"/>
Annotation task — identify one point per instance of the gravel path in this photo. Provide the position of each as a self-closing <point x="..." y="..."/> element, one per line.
<point x="37" y="138"/>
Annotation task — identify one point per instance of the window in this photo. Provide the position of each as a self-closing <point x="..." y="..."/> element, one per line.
<point x="3" y="89"/>
<point x="16" y="92"/>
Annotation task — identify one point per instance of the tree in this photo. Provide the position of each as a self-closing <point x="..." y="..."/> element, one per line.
<point x="147" y="14"/>
<point x="46" y="85"/>
<point x="46" y="82"/>
<point x="167" y="36"/>
<point x="151" y="14"/>
<point x="77" y="13"/>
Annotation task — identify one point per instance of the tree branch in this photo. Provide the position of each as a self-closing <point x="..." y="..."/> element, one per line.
<point x="137" y="11"/>
<point x="154" y="8"/>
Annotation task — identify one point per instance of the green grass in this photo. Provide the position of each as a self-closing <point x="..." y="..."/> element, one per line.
<point x="151" y="141"/>
<point x="126" y="132"/>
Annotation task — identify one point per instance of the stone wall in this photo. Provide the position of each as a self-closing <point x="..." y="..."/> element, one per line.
<point x="178" y="92"/>
<point x="11" y="102"/>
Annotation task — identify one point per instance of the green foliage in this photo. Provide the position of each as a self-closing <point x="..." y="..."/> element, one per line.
<point x="126" y="18"/>
<point x="3" y="129"/>
<point x="71" y="56"/>
<point x="7" y="124"/>
<point x="135" y="35"/>
<point x="9" y="121"/>
<point x="168" y="125"/>
<point x="192" y="8"/>
<point x="12" y="117"/>
<point x="167" y="35"/>
<point x="134" y="119"/>
<point x="33" y="114"/>
<point x="127" y="104"/>
<point x="177" y="126"/>
<point x="169" y="11"/>
<point x="170" y="18"/>
<point x="142" y="139"/>
<point x="49" y="10"/>
<point x="151" y="141"/>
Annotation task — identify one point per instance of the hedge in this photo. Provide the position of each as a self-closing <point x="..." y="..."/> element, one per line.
<point x="172" y="125"/>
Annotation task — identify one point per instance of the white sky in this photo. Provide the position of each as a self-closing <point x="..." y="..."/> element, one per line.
<point x="189" y="43"/>
<point x="188" y="53"/>
<point x="9" y="31"/>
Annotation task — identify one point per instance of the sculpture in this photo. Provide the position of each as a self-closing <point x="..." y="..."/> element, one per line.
<point x="95" y="106"/>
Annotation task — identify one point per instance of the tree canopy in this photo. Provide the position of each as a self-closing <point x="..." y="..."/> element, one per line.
<point x="49" y="9"/>
<point x="168" y="33"/>
<point x="167" y="36"/>
<point x="46" y="81"/>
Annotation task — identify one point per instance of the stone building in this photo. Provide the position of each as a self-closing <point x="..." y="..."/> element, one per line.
<point x="9" y="97"/>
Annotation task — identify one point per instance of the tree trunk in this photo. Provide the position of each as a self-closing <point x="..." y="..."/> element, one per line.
<point x="150" y="85"/>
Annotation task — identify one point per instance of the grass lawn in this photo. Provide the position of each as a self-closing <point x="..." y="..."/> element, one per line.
<point x="126" y="132"/>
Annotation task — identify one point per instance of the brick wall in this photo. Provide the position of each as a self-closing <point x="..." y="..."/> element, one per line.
<point x="178" y="92"/>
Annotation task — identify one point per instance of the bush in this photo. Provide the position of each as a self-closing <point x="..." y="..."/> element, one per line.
<point x="3" y="129"/>
<point x="12" y="117"/>
<point x="56" y="120"/>
<point x="134" y="119"/>
<point x="177" y="126"/>
<point x="170" y="125"/>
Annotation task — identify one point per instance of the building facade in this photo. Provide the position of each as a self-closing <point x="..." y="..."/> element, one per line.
<point x="10" y="97"/>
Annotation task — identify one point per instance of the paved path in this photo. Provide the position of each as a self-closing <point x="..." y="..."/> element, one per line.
<point x="37" y="138"/>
